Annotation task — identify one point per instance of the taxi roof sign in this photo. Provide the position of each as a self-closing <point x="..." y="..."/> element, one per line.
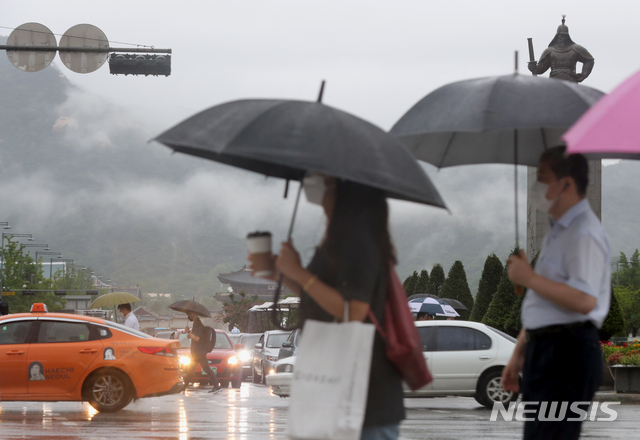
<point x="39" y="307"/>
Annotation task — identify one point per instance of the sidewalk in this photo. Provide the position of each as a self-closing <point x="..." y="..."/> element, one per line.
<point x="612" y="396"/>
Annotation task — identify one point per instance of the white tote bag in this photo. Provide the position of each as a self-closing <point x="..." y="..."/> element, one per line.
<point x="330" y="381"/>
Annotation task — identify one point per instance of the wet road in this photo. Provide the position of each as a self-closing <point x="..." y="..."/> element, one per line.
<point x="253" y="413"/>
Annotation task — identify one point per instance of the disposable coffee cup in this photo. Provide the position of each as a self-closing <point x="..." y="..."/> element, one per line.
<point x="259" y="244"/>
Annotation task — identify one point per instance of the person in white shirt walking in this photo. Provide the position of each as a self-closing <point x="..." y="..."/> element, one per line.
<point x="130" y="320"/>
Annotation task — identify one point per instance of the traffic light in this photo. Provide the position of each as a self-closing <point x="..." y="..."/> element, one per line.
<point x="4" y="308"/>
<point x="139" y="64"/>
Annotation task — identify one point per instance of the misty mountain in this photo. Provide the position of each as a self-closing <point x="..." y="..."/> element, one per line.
<point x="80" y="174"/>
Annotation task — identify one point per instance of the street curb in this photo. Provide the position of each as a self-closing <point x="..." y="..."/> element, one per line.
<point x="612" y="396"/>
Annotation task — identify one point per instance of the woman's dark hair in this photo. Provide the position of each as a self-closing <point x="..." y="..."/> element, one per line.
<point x="360" y="213"/>
<point x="568" y="165"/>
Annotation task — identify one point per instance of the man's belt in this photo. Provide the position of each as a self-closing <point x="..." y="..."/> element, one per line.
<point x="551" y="331"/>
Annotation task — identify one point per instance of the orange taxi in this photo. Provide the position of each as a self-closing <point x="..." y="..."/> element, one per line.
<point x="55" y="356"/>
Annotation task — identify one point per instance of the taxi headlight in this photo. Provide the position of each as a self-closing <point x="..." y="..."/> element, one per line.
<point x="185" y="360"/>
<point x="232" y="360"/>
<point x="244" y="356"/>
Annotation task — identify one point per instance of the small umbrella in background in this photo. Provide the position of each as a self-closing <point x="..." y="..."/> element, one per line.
<point x="610" y="129"/>
<point x="432" y="306"/>
<point x="190" y="305"/>
<point x="113" y="299"/>
<point x="457" y="305"/>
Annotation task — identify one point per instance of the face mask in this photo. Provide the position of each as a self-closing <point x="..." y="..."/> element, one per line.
<point x="314" y="188"/>
<point x="539" y="199"/>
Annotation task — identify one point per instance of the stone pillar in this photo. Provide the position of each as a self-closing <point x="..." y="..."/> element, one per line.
<point x="538" y="222"/>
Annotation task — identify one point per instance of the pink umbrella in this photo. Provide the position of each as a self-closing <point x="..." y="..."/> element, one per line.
<point x="611" y="128"/>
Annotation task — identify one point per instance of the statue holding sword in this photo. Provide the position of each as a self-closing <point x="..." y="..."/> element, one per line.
<point x="561" y="56"/>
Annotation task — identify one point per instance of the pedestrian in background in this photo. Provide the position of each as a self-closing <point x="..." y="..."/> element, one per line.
<point x="567" y="300"/>
<point x="351" y="264"/>
<point x="130" y="319"/>
<point x="199" y="353"/>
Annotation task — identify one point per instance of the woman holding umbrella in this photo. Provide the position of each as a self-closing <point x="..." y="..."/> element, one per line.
<point x="351" y="264"/>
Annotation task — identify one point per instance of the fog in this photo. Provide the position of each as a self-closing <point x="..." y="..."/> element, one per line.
<point x="378" y="58"/>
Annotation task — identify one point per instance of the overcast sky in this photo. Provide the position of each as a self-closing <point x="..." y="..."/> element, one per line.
<point x="378" y="58"/>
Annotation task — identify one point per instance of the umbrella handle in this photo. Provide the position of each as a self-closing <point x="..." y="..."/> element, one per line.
<point x="518" y="290"/>
<point x="274" y="307"/>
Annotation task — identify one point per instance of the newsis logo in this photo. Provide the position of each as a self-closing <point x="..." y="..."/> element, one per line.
<point x="554" y="411"/>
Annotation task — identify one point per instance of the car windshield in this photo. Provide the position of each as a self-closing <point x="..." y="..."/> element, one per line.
<point x="222" y="341"/>
<point x="249" y="341"/>
<point x="504" y="335"/>
<point x="184" y="341"/>
<point x="276" y="340"/>
<point x="235" y="338"/>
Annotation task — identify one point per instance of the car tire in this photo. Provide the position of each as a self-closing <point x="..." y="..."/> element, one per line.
<point x="224" y="383"/>
<point x="108" y="391"/>
<point x="490" y="390"/>
<point x="237" y="382"/>
<point x="263" y="379"/>
<point x="254" y="376"/>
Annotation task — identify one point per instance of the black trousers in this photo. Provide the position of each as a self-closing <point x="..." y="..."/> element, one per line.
<point x="202" y="360"/>
<point x="562" y="366"/>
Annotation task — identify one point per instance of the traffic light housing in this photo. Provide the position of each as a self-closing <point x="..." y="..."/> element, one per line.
<point x="4" y="308"/>
<point x="139" y="64"/>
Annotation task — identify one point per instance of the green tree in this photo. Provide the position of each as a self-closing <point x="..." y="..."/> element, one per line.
<point x="410" y="283"/>
<point x="457" y="287"/>
<point x="436" y="279"/>
<point x="629" y="300"/>
<point x="20" y="272"/>
<point x="491" y="275"/>
<point x="614" y="322"/>
<point x="235" y="312"/>
<point x="513" y="324"/>
<point x="422" y="286"/>
<point x="501" y="305"/>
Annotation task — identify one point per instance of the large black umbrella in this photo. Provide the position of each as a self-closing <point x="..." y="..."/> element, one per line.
<point x="507" y="119"/>
<point x="189" y="305"/>
<point x="289" y="138"/>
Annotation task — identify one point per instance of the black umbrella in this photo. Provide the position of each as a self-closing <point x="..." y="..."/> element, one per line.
<point x="457" y="305"/>
<point x="508" y="119"/>
<point x="287" y="139"/>
<point x="189" y="305"/>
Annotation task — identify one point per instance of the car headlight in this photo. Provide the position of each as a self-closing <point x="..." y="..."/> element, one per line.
<point x="185" y="360"/>
<point x="245" y="356"/>
<point x="232" y="360"/>
<point x="272" y="358"/>
<point x="272" y="371"/>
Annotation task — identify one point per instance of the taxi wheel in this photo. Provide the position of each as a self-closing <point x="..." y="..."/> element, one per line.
<point x="224" y="383"/>
<point x="237" y="382"/>
<point x="109" y="391"/>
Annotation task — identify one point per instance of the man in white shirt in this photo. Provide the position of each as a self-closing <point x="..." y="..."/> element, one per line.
<point x="130" y="320"/>
<point x="566" y="303"/>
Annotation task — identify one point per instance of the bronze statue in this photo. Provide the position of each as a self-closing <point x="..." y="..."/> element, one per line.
<point x="561" y="56"/>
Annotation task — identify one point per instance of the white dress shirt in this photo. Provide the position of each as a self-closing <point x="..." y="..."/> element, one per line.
<point x="575" y="252"/>
<point x="132" y="321"/>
